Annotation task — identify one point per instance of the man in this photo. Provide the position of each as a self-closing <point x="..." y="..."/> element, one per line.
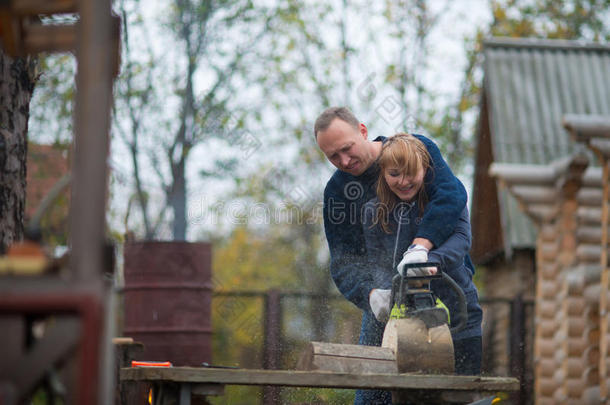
<point x="344" y="141"/>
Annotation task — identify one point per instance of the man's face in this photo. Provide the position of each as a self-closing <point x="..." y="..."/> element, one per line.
<point x="346" y="147"/>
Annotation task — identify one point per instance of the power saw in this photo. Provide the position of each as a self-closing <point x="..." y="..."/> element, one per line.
<point x="418" y="330"/>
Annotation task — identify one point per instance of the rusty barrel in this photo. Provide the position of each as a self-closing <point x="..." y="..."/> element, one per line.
<point x="168" y="297"/>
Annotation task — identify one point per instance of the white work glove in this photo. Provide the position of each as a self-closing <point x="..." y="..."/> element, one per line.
<point x="415" y="254"/>
<point x="379" y="300"/>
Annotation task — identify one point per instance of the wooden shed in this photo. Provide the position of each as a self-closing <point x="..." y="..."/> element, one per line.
<point x="529" y="85"/>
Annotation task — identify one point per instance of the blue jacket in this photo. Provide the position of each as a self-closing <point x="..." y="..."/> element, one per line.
<point x="344" y="199"/>
<point x="385" y="252"/>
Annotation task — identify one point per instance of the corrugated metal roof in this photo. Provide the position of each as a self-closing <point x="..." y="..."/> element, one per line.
<point x="529" y="85"/>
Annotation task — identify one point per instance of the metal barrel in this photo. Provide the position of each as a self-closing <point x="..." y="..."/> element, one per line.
<point x="168" y="297"/>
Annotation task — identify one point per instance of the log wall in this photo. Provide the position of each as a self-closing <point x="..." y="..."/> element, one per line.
<point x="562" y="200"/>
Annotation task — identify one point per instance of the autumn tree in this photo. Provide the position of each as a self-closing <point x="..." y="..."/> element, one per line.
<point x="551" y="19"/>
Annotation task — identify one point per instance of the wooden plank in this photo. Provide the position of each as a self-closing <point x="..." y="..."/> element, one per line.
<point x="49" y="38"/>
<point x="605" y="278"/>
<point x="354" y="351"/>
<point x="35" y="7"/>
<point x="575" y="347"/>
<point x="583" y="127"/>
<point x="10" y="32"/>
<point x="345" y="358"/>
<point x="542" y="212"/>
<point x="535" y="194"/>
<point x="590" y="197"/>
<point x="589" y="234"/>
<point x="589" y="215"/>
<point x="511" y="173"/>
<point x="60" y="339"/>
<point x="321" y="379"/>
<point x="592" y="177"/>
<point x="589" y="253"/>
<point x="352" y="365"/>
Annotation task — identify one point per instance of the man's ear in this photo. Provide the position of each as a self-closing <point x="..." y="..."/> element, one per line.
<point x="364" y="131"/>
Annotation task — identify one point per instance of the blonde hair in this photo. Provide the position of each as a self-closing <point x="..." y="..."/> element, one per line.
<point x="408" y="154"/>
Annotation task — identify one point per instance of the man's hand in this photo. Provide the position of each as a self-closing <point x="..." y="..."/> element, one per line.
<point x="415" y="254"/>
<point x="379" y="300"/>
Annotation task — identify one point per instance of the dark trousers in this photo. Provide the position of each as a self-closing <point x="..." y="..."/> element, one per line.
<point x="467" y="354"/>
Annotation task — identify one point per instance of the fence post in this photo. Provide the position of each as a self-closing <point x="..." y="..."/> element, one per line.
<point x="272" y="343"/>
<point x="517" y="346"/>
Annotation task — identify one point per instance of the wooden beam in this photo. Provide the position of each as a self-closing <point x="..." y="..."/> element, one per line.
<point x="591" y="197"/>
<point x="93" y="101"/>
<point x="345" y="358"/>
<point x="59" y="341"/>
<point x="320" y="379"/>
<point x="585" y="126"/>
<point x="592" y="177"/>
<point x="36" y="7"/>
<point x="522" y="173"/>
<point x="535" y="194"/>
<point x="49" y="38"/>
<point x="10" y="32"/>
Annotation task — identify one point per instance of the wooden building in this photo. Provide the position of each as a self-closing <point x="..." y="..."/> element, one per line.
<point x="529" y="86"/>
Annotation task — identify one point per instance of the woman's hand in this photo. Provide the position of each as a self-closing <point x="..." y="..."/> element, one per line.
<point x="379" y="300"/>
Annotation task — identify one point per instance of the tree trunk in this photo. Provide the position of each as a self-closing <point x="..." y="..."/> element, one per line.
<point x="17" y="78"/>
<point x="178" y="201"/>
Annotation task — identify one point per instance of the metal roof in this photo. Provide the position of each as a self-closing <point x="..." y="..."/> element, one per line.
<point x="529" y="85"/>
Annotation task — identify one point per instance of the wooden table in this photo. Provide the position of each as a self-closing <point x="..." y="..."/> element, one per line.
<point x="205" y="380"/>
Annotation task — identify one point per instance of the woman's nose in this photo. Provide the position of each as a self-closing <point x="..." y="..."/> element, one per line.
<point x="404" y="179"/>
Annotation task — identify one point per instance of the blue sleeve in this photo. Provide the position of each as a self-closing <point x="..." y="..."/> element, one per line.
<point x="446" y="198"/>
<point x="348" y="258"/>
<point x="451" y="253"/>
<point x="377" y="256"/>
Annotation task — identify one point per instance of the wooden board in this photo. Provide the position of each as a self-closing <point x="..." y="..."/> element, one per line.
<point x="346" y="358"/>
<point x="321" y="379"/>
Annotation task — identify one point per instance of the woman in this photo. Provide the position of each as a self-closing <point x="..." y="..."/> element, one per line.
<point x="390" y="224"/>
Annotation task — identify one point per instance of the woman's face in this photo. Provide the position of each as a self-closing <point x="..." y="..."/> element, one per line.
<point x="405" y="187"/>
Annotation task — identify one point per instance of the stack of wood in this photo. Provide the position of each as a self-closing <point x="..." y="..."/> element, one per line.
<point x="549" y="195"/>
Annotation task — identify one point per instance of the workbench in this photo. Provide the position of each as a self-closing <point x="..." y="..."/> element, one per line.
<point x="211" y="381"/>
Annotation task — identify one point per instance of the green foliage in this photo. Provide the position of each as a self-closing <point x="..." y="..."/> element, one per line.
<point x="317" y="396"/>
<point x="52" y="104"/>
<point x="554" y="19"/>
<point x="254" y="260"/>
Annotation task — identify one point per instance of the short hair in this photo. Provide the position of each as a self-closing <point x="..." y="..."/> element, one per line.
<point x="326" y="118"/>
